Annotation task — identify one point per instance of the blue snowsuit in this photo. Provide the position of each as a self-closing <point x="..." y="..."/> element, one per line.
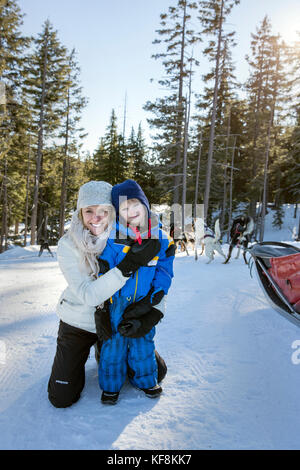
<point x="119" y="352"/>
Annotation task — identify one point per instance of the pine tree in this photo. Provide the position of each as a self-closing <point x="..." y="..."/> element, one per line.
<point x="110" y="159"/>
<point x="290" y="165"/>
<point x="46" y="85"/>
<point x="140" y="164"/>
<point x="261" y="63"/>
<point x="178" y="37"/>
<point x="224" y="121"/>
<point x="95" y="164"/>
<point x="279" y="86"/>
<point x="213" y="14"/>
<point x="131" y="149"/>
<point x="289" y="161"/>
<point x="74" y="105"/>
<point x="12" y="45"/>
<point x="12" y="112"/>
<point x="268" y="88"/>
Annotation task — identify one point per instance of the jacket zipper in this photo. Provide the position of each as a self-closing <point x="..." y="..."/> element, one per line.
<point x="136" y="284"/>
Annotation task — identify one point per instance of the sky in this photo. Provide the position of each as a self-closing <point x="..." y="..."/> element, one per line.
<point x="113" y="41"/>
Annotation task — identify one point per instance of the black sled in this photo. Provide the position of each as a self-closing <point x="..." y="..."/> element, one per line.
<point x="277" y="268"/>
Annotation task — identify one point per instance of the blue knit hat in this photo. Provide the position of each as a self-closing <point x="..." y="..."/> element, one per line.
<point x="129" y="189"/>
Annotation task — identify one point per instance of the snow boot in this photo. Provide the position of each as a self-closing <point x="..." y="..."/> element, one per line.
<point x="152" y="392"/>
<point x="109" y="398"/>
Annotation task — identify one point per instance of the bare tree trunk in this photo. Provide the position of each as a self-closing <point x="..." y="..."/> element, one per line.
<point x="264" y="197"/>
<point x="270" y="126"/>
<point x="63" y="195"/>
<point x="222" y="221"/>
<point x="230" y="189"/>
<point x="253" y="202"/>
<point x="124" y="117"/>
<point x="184" y="173"/>
<point x="180" y="113"/>
<point x="45" y="228"/>
<point x="197" y="176"/>
<point x="186" y="143"/>
<point x="16" y="228"/>
<point x="27" y="191"/>
<point x="4" y="226"/>
<point x="222" y="218"/>
<point x="39" y="152"/>
<point x="213" y="117"/>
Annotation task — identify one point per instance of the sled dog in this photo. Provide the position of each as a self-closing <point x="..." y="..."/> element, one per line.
<point x="208" y="239"/>
<point x="185" y="239"/>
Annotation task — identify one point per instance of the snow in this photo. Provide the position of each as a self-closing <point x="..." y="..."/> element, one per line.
<point x="232" y="377"/>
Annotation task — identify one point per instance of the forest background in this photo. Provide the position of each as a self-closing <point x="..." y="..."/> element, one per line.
<point x="214" y="136"/>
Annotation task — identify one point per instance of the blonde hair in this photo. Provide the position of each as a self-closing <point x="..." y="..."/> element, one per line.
<point x="89" y="246"/>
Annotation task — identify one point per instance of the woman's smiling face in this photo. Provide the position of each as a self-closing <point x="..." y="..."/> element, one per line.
<point x="96" y="218"/>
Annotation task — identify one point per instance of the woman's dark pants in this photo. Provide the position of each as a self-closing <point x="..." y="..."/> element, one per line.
<point x="68" y="371"/>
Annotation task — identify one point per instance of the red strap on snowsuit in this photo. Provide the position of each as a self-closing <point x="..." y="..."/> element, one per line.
<point x="138" y="237"/>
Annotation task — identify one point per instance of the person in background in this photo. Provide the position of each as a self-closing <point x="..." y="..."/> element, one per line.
<point x="45" y="246"/>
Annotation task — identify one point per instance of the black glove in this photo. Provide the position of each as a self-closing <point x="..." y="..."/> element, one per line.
<point x="103" y="266"/>
<point x="103" y="324"/>
<point x="139" y="255"/>
<point x="140" y="308"/>
<point x="129" y="327"/>
<point x="137" y="328"/>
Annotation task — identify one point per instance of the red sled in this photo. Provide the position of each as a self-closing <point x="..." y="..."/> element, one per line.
<point x="278" y="271"/>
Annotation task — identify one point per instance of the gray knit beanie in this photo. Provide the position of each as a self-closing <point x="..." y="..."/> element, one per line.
<point x="94" y="193"/>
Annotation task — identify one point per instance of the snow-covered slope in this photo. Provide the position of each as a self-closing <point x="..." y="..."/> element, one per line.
<point x="232" y="379"/>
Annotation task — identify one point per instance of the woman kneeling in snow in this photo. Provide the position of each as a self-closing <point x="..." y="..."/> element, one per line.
<point x="77" y="256"/>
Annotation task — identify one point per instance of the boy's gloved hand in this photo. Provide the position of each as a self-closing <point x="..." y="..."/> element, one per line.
<point x="136" y="328"/>
<point x="139" y="255"/>
<point x="140" y="308"/>
<point x="129" y="327"/>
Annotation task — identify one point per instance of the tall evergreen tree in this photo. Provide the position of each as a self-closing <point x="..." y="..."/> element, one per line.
<point x="288" y="163"/>
<point x="75" y="102"/>
<point x="12" y="112"/>
<point x="279" y="88"/>
<point x="110" y="157"/>
<point x="213" y="14"/>
<point x="261" y="64"/>
<point x="225" y="120"/>
<point x="178" y="37"/>
<point x="46" y="85"/>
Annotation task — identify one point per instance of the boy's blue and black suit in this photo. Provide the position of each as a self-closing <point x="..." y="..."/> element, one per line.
<point x="120" y="353"/>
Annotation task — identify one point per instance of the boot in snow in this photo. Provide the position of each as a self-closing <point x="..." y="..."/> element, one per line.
<point x="153" y="392"/>
<point x="109" y="398"/>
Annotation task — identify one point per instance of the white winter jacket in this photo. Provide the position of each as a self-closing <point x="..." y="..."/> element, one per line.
<point x="77" y="303"/>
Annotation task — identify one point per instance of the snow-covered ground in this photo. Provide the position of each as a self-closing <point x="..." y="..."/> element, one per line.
<point x="233" y="375"/>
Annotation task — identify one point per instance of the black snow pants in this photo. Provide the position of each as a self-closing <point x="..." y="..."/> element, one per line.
<point x="68" y="371"/>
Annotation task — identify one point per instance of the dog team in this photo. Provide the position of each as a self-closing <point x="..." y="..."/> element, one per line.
<point x="199" y="234"/>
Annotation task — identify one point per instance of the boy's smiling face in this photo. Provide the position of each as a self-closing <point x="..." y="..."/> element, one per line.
<point x="133" y="212"/>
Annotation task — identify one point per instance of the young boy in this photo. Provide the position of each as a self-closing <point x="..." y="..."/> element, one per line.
<point x="143" y="290"/>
